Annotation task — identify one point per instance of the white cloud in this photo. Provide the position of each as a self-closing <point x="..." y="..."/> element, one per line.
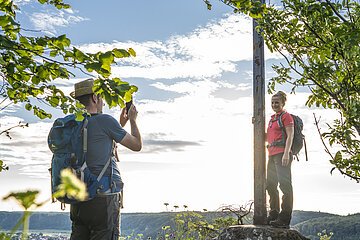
<point x="49" y="21"/>
<point x="22" y="2"/>
<point x="240" y="86"/>
<point x="205" y="52"/>
<point x="193" y="87"/>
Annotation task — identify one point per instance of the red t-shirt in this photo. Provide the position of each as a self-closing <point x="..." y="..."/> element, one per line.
<point x="274" y="132"/>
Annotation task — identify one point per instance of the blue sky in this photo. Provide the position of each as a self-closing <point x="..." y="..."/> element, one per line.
<point x="194" y="73"/>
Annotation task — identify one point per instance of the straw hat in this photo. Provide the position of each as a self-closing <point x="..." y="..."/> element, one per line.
<point x="83" y="88"/>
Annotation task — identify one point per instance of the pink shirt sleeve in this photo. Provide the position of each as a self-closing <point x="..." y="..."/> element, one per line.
<point x="287" y="120"/>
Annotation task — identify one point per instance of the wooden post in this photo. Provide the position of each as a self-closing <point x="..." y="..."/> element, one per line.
<point x="259" y="128"/>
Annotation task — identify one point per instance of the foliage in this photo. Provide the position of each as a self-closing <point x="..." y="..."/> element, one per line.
<point x="242" y="213"/>
<point x="3" y="166"/>
<point x="70" y="186"/>
<point x="187" y="225"/>
<point x="25" y="199"/>
<point x="324" y="236"/>
<point x="342" y="227"/>
<point x="30" y="64"/>
<point x="319" y="40"/>
<point x="191" y="225"/>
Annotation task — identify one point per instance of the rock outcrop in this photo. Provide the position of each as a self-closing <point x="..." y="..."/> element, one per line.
<point x="252" y="232"/>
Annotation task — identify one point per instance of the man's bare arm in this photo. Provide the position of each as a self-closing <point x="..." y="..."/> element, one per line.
<point x="132" y="141"/>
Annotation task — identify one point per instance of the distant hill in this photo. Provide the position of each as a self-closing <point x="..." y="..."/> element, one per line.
<point x="150" y="224"/>
<point x="343" y="227"/>
<point x="38" y="220"/>
<point x="302" y="216"/>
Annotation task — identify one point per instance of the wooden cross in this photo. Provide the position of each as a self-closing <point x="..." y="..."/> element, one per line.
<point x="259" y="128"/>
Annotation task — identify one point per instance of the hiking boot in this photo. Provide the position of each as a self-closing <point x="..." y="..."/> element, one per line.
<point x="271" y="218"/>
<point x="278" y="223"/>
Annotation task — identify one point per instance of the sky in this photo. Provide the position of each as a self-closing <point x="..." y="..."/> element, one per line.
<point x="194" y="72"/>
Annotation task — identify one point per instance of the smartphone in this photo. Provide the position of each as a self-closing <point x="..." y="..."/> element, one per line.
<point x="128" y="105"/>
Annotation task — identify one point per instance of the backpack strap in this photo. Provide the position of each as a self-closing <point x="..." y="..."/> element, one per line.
<point x="103" y="170"/>
<point x="305" y="149"/>
<point x="84" y="131"/>
<point x="281" y="142"/>
<point x="85" y="136"/>
<point x="281" y="125"/>
<point x="51" y="186"/>
<point x="115" y="153"/>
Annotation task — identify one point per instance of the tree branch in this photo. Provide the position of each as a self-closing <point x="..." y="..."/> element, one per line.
<point x="5" y="106"/>
<point x="331" y="94"/>
<point x="321" y="138"/>
<point x="3" y="100"/>
<point x="228" y="3"/>
<point x="357" y="179"/>
<point x="7" y="131"/>
<point x="336" y="12"/>
<point x="240" y="212"/>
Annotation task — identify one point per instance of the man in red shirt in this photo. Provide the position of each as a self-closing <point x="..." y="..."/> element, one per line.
<point x="279" y="163"/>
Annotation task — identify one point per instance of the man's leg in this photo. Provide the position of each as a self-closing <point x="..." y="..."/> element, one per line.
<point x="271" y="187"/>
<point x="79" y="230"/>
<point x="106" y="226"/>
<point x="117" y="217"/>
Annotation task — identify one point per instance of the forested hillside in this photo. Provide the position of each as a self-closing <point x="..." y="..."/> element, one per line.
<point x="150" y="224"/>
<point x="343" y="227"/>
<point x="38" y="220"/>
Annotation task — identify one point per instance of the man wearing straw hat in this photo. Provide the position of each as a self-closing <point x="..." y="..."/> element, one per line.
<point x="99" y="217"/>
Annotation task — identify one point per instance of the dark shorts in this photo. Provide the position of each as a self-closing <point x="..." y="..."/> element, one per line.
<point x="97" y="219"/>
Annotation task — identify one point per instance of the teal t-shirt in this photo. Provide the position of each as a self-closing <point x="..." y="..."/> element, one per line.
<point x="103" y="129"/>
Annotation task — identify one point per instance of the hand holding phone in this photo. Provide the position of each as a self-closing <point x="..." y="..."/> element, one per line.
<point x="128" y="105"/>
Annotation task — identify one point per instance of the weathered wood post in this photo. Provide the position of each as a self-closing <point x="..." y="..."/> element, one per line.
<point x="259" y="127"/>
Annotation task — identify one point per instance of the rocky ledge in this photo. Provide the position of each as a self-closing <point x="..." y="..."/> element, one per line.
<point x="252" y="232"/>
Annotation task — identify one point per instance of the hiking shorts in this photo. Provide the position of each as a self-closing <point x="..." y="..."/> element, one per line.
<point x="96" y="219"/>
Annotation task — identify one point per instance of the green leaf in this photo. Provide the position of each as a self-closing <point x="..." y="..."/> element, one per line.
<point x="71" y="186"/>
<point x="79" y="55"/>
<point x="3" y="166"/>
<point x="35" y="80"/>
<point x="106" y="59"/>
<point x="121" y="53"/>
<point x="25" y="199"/>
<point x="132" y="52"/>
<point x="53" y="53"/>
<point x="23" y="40"/>
<point x="64" y="40"/>
<point x="128" y="96"/>
<point x="41" y="113"/>
<point x="93" y="66"/>
<point x="28" y="106"/>
<point x="79" y="116"/>
<point x="108" y="98"/>
<point x="79" y="105"/>
<point x="54" y="101"/>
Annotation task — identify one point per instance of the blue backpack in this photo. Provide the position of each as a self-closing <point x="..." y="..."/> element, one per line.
<point x="299" y="138"/>
<point x="67" y="140"/>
